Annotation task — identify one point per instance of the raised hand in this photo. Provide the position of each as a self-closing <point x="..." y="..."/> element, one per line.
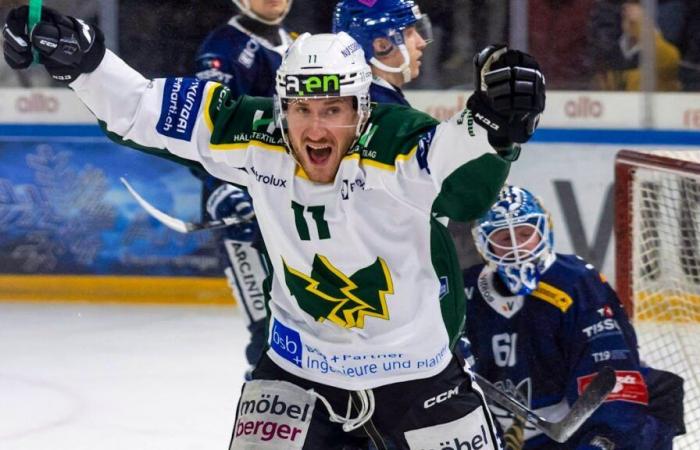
<point x="509" y="96"/>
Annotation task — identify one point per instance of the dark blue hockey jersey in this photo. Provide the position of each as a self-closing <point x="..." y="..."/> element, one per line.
<point x="243" y="61"/>
<point x="544" y="349"/>
<point x="381" y="91"/>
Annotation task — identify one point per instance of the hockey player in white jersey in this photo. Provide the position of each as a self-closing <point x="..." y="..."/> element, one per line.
<point x="359" y="338"/>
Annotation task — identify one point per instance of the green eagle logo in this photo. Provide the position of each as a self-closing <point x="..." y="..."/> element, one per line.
<point x="329" y="294"/>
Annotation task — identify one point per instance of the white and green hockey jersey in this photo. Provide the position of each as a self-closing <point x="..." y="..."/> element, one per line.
<point x="366" y="288"/>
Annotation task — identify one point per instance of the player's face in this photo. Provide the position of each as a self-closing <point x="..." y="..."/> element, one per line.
<point x="321" y="132"/>
<point x="524" y="238"/>
<point x="415" y="45"/>
<point x="268" y="9"/>
<point x="389" y="54"/>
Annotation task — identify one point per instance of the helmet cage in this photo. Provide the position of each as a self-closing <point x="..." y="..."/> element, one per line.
<point x="519" y="263"/>
<point x="517" y="252"/>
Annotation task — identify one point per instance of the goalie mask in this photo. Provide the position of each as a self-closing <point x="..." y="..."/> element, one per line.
<point x="323" y="66"/>
<point x="367" y="20"/>
<point x="515" y="238"/>
<point x="245" y="8"/>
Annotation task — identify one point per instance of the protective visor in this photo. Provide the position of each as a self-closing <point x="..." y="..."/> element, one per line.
<point x="424" y="27"/>
<point x="325" y="112"/>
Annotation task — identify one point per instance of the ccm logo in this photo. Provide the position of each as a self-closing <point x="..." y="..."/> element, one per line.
<point x="440" y="398"/>
<point x="48" y="43"/>
<point x="487" y="122"/>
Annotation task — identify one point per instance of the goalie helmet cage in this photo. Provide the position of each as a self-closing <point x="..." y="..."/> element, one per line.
<point x="657" y="265"/>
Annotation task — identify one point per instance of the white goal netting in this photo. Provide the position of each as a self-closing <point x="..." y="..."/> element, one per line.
<point x="661" y="226"/>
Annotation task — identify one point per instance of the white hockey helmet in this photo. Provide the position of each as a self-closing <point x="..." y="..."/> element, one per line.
<point x="244" y="7"/>
<point x="322" y="66"/>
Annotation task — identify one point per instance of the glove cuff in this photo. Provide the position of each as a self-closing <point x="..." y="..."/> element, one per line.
<point x="95" y="53"/>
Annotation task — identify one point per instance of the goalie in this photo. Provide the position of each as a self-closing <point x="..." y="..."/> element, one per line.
<point x="547" y="323"/>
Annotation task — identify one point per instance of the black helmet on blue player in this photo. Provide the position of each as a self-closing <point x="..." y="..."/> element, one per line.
<point x="515" y="238"/>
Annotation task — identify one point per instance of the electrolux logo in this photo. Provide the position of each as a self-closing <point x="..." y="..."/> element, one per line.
<point x="271" y="179"/>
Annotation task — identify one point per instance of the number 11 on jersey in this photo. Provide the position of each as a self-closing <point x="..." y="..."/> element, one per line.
<point x="317" y="213"/>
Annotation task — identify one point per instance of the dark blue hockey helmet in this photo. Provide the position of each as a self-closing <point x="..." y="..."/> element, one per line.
<point x="367" y="20"/>
<point x="515" y="237"/>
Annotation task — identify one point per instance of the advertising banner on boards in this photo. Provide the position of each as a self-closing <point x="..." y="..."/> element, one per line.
<point x="63" y="210"/>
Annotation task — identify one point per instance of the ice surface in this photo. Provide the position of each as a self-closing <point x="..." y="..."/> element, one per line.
<point x="115" y="377"/>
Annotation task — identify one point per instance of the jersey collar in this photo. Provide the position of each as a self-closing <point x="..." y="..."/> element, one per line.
<point x="505" y="305"/>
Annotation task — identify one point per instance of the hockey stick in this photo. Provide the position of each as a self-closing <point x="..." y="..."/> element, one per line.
<point x="176" y="224"/>
<point x="580" y="411"/>
<point x="32" y="19"/>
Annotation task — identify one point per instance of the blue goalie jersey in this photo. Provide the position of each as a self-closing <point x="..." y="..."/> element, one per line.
<point x="243" y="61"/>
<point x="544" y="349"/>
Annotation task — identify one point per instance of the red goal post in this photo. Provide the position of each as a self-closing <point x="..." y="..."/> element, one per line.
<point x="657" y="265"/>
<point x="627" y="163"/>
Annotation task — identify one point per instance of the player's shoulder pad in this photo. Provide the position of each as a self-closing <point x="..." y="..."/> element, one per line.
<point x="242" y="120"/>
<point x="393" y="133"/>
<point x="570" y="281"/>
<point x="224" y="40"/>
<point x="230" y="48"/>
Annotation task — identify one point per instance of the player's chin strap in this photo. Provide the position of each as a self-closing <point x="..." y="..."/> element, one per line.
<point x="404" y="69"/>
<point x="366" y="397"/>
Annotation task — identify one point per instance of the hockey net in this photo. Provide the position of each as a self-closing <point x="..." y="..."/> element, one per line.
<point x="657" y="232"/>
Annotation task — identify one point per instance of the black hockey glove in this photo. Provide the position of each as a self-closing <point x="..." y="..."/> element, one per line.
<point x="67" y="46"/>
<point x="15" y="47"/>
<point x="509" y="96"/>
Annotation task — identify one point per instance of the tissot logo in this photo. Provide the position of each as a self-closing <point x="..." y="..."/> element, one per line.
<point x="271" y="179"/>
<point x="609" y="326"/>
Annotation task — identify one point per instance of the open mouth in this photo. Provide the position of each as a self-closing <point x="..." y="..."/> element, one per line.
<point x="318" y="154"/>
